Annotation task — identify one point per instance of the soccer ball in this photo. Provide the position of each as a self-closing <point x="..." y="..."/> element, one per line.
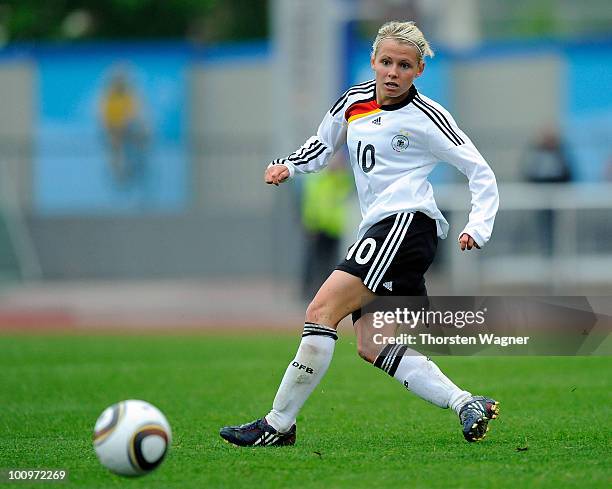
<point x="132" y="437"/>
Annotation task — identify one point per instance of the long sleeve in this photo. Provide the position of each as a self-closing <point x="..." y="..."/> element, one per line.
<point x="315" y="153"/>
<point x="460" y="152"/>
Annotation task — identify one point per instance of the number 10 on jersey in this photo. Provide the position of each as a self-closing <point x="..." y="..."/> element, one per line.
<point x="367" y="157"/>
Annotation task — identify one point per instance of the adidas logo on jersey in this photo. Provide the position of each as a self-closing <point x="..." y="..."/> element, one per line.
<point x="388" y="286"/>
<point x="377" y="121"/>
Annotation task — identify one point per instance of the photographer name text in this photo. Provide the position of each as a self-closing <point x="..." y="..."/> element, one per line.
<point x="429" y="339"/>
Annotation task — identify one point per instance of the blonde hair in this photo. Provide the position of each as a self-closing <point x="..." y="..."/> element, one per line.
<point x="405" y="33"/>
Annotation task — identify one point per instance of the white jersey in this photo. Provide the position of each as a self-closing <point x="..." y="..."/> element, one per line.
<point x="393" y="149"/>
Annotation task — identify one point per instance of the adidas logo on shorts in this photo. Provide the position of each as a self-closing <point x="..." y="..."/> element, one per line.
<point x="388" y="286"/>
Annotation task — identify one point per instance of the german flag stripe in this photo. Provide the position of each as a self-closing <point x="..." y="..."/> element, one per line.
<point x="361" y="109"/>
<point x="364" y="114"/>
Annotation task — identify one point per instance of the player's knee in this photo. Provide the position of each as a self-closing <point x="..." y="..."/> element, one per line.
<point x="313" y="312"/>
<point x="319" y="312"/>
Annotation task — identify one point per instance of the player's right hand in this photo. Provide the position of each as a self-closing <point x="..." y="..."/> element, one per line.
<point x="276" y="174"/>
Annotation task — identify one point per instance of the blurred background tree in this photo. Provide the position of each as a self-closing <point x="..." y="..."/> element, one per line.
<point x="197" y="20"/>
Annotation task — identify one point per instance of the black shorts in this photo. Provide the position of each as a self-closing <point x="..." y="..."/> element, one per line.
<point x="394" y="254"/>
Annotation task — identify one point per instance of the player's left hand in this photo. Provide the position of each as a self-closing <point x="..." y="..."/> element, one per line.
<point x="467" y="242"/>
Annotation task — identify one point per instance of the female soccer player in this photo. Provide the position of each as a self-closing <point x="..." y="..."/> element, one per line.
<point x="395" y="137"/>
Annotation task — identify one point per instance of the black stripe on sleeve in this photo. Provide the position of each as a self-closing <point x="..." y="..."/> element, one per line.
<point x="369" y="92"/>
<point x="433" y="119"/>
<point x="445" y="120"/>
<point x="338" y="106"/>
<point x="310" y="158"/>
<point x="298" y="153"/>
<point x="349" y="91"/>
<point x="441" y="117"/>
<point x="306" y="152"/>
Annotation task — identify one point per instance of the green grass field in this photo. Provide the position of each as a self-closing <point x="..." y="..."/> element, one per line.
<point x="359" y="429"/>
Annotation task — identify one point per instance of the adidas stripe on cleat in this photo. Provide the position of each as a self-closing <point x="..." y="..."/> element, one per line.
<point x="475" y="415"/>
<point x="257" y="434"/>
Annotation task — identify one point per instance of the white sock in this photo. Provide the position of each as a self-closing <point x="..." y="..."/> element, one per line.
<point x="302" y="375"/>
<point x="419" y="374"/>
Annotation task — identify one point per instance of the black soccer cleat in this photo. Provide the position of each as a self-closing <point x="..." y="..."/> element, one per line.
<point x="475" y="415"/>
<point x="257" y="434"/>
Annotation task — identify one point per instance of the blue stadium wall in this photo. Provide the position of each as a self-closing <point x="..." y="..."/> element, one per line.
<point x="186" y="219"/>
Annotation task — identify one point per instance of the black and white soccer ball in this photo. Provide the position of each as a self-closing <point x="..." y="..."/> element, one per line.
<point x="132" y="438"/>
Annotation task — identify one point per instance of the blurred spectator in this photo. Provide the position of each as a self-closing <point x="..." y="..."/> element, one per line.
<point x="125" y="130"/>
<point x="547" y="161"/>
<point x="324" y="214"/>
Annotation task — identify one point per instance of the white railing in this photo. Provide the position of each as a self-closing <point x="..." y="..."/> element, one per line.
<point x="564" y="267"/>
